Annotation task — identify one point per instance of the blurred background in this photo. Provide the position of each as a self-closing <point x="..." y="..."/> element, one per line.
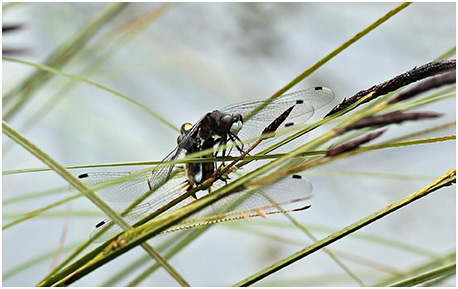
<point x="182" y="60"/>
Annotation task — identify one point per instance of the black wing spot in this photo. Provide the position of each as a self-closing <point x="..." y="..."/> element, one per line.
<point x="299" y="101"/>
<point x="100" y="224"/>
<point x="296" y="177"/>
<point x="301" y="209"/>
<point x="319" y="88"/>
<point x="289" y="124"/>
<point x="82" y="176"/>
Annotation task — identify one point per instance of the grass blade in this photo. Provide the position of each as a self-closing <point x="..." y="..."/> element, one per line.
<point x="21" y="94"/>
<point x="421" y="278"/>
<point x="445" y="180"/>
<point x="74" y="77"/>
<point x="59" y="169"/>
<point x="341" y="48"/>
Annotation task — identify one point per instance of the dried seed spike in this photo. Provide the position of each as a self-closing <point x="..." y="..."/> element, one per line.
<point x="413" y="75"/>
<point x="273" y="126"/>
<point x="353" y="144"/>
<point x="434" y="82"/>
<point x="394" y="117"/>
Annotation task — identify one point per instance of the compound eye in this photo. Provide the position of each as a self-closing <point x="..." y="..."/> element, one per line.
<point x="232" y="123"/>
<point x="236" y="123"/>
<point x="185" y="128"/>
<point x="236" y="126"/>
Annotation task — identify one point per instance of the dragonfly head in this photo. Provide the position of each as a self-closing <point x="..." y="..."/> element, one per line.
<point x="185" y="128"/>
<point x="232" y="122"/>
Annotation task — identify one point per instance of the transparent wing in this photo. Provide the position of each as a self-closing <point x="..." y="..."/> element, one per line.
<point x="162" y="172"/>
<point x="126" y="191"/>
<point x="107" y="229"/>
<point x="116" y="189"/>
<point x="290" y="190"/>
<point x="312" y="98"/>
<point x="285" y="195"/>
<point x="171" y="190"/>
<point x="305" y="103"/>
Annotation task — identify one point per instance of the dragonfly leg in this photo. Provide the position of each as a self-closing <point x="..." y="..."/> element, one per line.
<point x="235" y="138"/>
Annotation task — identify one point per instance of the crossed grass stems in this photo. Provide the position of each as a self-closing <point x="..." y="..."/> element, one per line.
<point x="129" y="239"/>
<point x="440" y="95"/>
<point x="380" y="103"/>
<point x="365" y="121"/>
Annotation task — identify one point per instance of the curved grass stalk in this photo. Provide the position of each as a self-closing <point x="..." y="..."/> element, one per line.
<point x="447" y="54"/>
<point x="293" y="84"/>
<point x="142" y="260"/>
<point x="8" y="6"/>
<point x="434" y="263"/>
<point x="364" y="148"/>
<point x="428" y="276"/>
<point x="35" y="213"/>
<point x="59" y="169"/>
<point x="254" y="157"/>
<point x="34" y="261"/>
<point x="129" y="239"/>
<point x="34" y="195"/>
<point x="373" y="238"/>
<point x="128" y="30"/>
<point x="399" y="145"/>
<point x="341" y="48"/>
<point x="424" y="131"/>
<point x="445" y="180"/>
<point x="21" y="94"/>
<point x="87" y="81"/>
<point x="354" y="258"/>
<point x="176" y="249"/>
<point x="55" y="166"/>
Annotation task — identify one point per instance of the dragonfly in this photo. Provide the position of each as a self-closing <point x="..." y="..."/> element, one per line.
<point x="239" y="124"/>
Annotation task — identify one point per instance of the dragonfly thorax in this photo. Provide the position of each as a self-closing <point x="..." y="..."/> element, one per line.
<point x="215" y="128"/>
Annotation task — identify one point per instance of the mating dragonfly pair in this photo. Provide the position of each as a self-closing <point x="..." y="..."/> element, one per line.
<point x="227" y="132"/>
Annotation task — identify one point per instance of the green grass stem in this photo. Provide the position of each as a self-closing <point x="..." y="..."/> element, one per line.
<point x="18" y="96"/>
<point x="442" y="181"/>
